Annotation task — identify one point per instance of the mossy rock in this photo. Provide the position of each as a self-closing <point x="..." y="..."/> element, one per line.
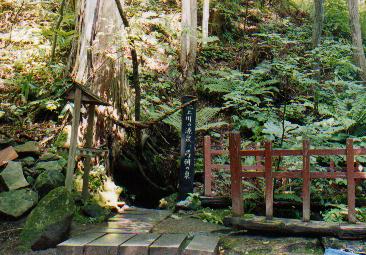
<point x="48" y="180"/>
<point x="48" y="165"/>
<point x="28" y="148"/>
<point x="17" y="202"/>
<point x="49" y="223"/>
<point x="12" y="176"/>
<point x="28" y="161"/>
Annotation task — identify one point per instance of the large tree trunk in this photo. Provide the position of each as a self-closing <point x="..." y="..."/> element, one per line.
<point x="358" y="51"/>
<point x="100" y="65"/>
<point x="318" y="22"/>
<point x="188" y="43"/>
<point x="205" y="21"/>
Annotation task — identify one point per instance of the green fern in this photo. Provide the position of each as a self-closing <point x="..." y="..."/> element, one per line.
<point x="291" y="197"/>
<point x="219" y="81"/>
<point x="203" y="120"/>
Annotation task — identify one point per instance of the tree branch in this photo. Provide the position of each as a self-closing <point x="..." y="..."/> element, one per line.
<point x="148" y="124"/>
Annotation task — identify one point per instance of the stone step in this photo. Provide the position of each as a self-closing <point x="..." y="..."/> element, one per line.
<point x="107" y="244"/>
<point x="75" y="245"/>
<point x="168" y="244"/>
<point x="202" y="245"/>
<point x="138" y="245"/>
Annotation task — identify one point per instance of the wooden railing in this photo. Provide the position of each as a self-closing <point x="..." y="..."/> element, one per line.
<point x="238" y="172"/>
<point x="210" y="167"/>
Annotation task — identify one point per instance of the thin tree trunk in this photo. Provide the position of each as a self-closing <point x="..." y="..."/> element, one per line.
<point x="205" y="21"/>
<point x="185" y="41"/>
<point x="358" y="51"/>
<point x="318" y="22"/>
<point x="57" y="27"/>
<point x="188" y="43"/>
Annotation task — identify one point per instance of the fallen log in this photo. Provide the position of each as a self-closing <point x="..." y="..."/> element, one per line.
<point x="297" y="227"/>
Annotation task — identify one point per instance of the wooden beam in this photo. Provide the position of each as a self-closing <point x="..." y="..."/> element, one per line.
<point x="268" y="180"/>
<point x="207" y="165"/>
<point x="73" y="141"/>
<point x="306" y="183"/>
<point x="235" y="169"/>
<point x="351" y="196"/>
<point x="88" y="144"/>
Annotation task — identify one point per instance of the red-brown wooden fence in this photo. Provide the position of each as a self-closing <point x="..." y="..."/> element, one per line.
<point x="210" y="168"/>
<point x="238" y="172"/>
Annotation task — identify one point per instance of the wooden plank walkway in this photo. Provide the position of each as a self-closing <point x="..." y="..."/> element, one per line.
<point x="129" y="234"/>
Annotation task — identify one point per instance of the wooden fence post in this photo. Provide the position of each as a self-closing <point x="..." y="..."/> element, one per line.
<point x="207" y="165"/>
<point x="268" y="180"/>
<point x="73" y="141"/>
<point x="235" y="169"/>
<point x="351" y="181"/>
<point x="306" y="182"/>
<point x="88" y="144"/>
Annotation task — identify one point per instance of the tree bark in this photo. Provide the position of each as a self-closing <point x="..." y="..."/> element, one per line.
<point x="318" y="22"/>
<point x="205" y="21"/>
<point x="188" y="43"/>
<point x="358" y="51"/>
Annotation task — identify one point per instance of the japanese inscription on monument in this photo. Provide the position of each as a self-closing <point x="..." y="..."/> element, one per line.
<point x="186" y="176"/>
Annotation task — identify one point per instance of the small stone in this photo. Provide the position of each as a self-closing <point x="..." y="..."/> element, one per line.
<point x="49" y="180"/>
<point x="28" y="148"/>
<point x="28" y="161"/>
<point x="49" y="222"/>
<point x="48" y="165"/>
<point x="49" y="157"/>
<point x="13" y="177"/>
<point x="17" y="202"/>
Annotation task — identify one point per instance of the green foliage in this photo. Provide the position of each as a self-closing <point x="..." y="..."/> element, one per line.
<point x="339" y="213"/>
<point x="213" y="216"/>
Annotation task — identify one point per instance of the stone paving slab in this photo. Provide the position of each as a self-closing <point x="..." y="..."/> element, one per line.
<point x="168" y="244"/>
<point x="75" y="245"/>
<point x="138" y="245"/>
<point x="202" y="245"/>
<point x="107" y="244"/>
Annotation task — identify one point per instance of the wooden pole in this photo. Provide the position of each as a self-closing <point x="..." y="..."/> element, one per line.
<point x="73" y="140"/>
<point x="207" y="166"/>
<point x="235" y="169"/>
<point x="88" y="144"/>
<point x="268" y="180"/>
<point x="306" y="183"/>
<point x="351" y="181"/>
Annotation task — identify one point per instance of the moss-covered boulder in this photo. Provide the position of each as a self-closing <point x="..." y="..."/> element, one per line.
<point x="15" y="203"/>
<point x="28" y="148"/>
<point x="49" y="223"/>
<point x="49" y="180"/>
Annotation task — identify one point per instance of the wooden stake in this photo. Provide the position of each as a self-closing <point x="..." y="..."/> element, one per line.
<point x="88" y="144"/>
<point x="351" y="182"/>
<point x="73" y="140"/>
<point x="235" y="169"/>
<point x="268" y="180"/>
<point x="207" y="165"/>
<point x="306" y="183"/>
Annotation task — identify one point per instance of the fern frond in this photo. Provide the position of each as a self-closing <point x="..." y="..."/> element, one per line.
<point x="288" y="197"/>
